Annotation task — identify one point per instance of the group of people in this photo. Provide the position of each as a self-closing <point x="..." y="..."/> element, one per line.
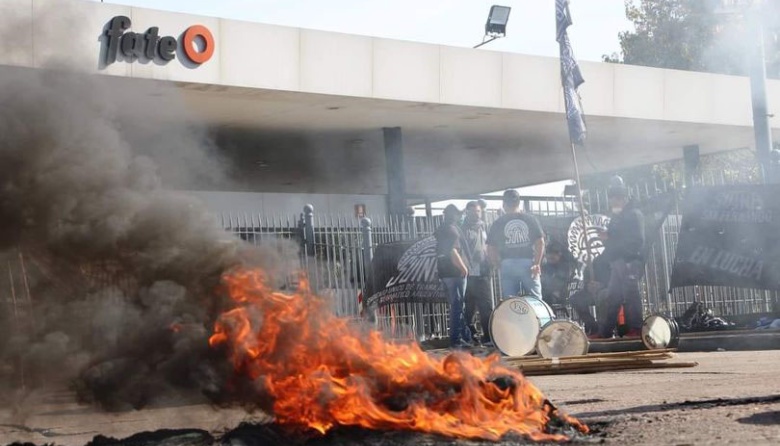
<point x="468" y="252"/>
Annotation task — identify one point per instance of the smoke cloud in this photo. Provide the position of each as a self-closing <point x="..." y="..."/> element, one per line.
<point x="109" y="274"/>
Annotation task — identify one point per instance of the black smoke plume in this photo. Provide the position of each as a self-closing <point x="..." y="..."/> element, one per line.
<point x="112" y="274"/>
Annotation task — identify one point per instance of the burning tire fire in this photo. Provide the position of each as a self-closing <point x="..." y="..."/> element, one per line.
<point x="317" y="372"/>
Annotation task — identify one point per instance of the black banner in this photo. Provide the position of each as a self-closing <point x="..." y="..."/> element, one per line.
<point x="730" y="236"/>
<point x="405" y="272"/>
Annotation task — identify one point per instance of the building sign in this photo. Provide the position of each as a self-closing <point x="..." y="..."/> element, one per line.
<point x="730" y="236"/>
<point x="150" y="46"/>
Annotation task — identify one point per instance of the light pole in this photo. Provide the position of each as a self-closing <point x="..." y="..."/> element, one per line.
<point x="762" y="131"/>
<point x="754" y="13"/>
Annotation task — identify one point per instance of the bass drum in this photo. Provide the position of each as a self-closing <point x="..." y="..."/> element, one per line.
<point x="559" y="339"/>
<point x="659" y="332"/>
<point x="516" y="322"/>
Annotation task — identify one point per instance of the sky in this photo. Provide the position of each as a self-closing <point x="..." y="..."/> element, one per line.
<point x="531" y="28"/>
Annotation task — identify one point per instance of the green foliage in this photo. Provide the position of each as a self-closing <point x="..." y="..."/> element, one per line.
<point x="692" y="35"/>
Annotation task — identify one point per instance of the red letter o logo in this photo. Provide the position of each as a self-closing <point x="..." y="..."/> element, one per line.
<point x="188" y="44"/>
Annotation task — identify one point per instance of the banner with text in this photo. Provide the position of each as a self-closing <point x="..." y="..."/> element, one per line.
<point x="405" y="272"/>
<point x="730" y="236"/>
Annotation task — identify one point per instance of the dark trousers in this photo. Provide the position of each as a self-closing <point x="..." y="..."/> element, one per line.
<point x="479" y="297"/>
<point x="581" y="301"/>
<point x="456" y="290"/>
<point x="623" y="289"/>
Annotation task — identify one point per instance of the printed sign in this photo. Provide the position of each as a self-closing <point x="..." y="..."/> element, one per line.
<point x="730" y="236"/>
<point x="150" y="46"/>
<point x="406" y="272"/>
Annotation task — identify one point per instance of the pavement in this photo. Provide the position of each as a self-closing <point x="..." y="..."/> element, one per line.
<point x="730" y="398"/>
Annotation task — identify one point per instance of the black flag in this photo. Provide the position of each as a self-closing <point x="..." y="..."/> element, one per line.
<point x="571" y="77"/>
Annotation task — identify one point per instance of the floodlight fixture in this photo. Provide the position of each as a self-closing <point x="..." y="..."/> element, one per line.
<point x="497" y="20"/>
<point x="495" y="27"/>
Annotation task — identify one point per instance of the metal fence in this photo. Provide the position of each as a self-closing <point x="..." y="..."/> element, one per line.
<point x="724" y="301"/>
<point x="336" y="250"/>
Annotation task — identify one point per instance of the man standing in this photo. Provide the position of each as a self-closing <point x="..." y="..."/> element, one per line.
<point x="624" y="244"/>
<point x="451" y="262"/>
<point x="479" y="293"/>
<point x="516" y="246"/>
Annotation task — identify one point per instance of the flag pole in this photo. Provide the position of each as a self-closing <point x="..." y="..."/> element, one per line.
<point x="571" y="78"/>
<point x="581" y="203"/>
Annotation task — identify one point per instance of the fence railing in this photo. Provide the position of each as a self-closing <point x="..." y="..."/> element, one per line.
<point x="336" y="251"/>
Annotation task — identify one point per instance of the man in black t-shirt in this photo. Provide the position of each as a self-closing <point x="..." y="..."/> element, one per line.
<point x="516" y="247"/>
<point x="451" y="262"/>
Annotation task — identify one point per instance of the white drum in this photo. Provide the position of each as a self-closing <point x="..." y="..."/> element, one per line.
<point x="559" y="339"/>
<point x="516" y="322"/>
<point x="659" y="332"/>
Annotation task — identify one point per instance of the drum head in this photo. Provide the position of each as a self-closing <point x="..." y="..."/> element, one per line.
<point x="657" y="333"/>
<point x="514" y="326"/>
<point x="562" y="338"/>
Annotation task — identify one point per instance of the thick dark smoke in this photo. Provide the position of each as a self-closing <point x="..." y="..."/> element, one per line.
<point x="121" y="270"/>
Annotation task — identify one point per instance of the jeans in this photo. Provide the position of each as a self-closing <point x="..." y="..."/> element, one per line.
<point x="623" y="289"/>
<point x="479" y="297"/>
<point x="516" y="276"/>
<point x="456" y="295"/>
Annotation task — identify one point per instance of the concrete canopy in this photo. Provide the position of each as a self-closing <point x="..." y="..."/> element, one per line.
<point x="302" y="110"/>
<point x="448" y="149"/>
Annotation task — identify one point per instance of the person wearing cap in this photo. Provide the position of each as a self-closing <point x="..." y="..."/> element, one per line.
<point x="479" y="292"/>
<point x="624" y="243"/>
<point x="516" y="247"/>
<point x="452" y="266"/>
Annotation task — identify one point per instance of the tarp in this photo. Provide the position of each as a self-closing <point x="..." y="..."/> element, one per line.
<point x="730" y="236"/>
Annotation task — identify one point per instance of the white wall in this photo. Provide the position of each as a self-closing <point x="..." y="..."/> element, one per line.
<point x="282" y="58"/>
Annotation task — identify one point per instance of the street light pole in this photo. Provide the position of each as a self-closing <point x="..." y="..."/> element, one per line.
<point x="761" y="128"/>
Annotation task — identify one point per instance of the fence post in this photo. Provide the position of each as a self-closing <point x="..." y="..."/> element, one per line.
<point x="368" y="250"/>
<point x="411" y="223"/>
<point x="308" y="229"/>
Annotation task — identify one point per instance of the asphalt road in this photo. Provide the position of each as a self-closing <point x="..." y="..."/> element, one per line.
<point x="730" y="398"/>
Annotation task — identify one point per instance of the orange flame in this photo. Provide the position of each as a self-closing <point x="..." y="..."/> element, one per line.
<point x="323" y="372"/>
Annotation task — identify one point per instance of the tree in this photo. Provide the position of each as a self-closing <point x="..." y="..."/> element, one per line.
<point x="693" y="35"/>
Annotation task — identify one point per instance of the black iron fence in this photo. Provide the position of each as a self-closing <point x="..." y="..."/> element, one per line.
<point x="337" y="250"/>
